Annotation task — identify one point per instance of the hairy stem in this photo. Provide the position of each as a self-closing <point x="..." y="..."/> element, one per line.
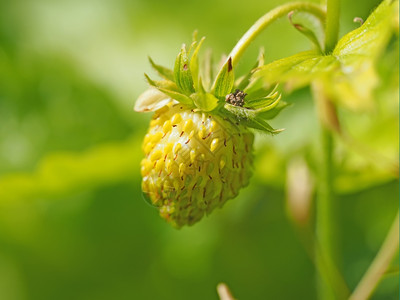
<point x="380" y="264"/>
<point x="267" y="19"/>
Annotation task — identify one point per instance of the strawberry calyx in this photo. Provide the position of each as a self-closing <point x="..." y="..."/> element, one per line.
<point x="250" y="101"/>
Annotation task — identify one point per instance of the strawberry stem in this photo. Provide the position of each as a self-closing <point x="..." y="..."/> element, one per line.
<point x="270" y="17"/>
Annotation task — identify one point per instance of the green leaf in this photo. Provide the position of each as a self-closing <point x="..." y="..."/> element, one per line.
<point x="224" y="82"/>
<point x="372" y="37"/>
<point x="170" y="91"/>
<point x="194" y="65"/>
<point x="308" y="25"/>
<point x="353" y="84"/>
<point x="205" y="101"/>
<point x="162" y="71"/>
<point x="182" y="74"/>
<point x="348" y="75"/>
<point x="299" y="69"/>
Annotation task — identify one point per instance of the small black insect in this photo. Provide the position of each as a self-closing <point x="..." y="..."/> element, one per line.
<point x="236" y="98"/>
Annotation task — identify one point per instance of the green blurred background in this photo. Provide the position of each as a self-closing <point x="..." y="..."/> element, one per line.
<point x="73" y="222"/>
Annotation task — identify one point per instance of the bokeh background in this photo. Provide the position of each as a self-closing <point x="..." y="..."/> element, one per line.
<point x="73" y="222"/>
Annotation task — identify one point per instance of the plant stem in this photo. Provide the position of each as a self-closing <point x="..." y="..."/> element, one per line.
<point x="324" y="247"/>
<point x="325" y="212"/>
<point x="267" y="19"/>
<point x="332" y="25"/>
<point x="379" y="265"/>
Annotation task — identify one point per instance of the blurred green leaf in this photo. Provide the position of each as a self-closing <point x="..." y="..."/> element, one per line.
<point x="310" y="26"/>
<point x="61" y="173"/>
<point x="298" y="69"/>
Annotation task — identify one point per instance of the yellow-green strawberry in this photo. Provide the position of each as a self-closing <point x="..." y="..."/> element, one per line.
<point x="198" y="149"/>
<point x="194" y="162"/>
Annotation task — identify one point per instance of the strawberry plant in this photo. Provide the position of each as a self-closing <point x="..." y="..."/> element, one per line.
<point x="198" y="149"/>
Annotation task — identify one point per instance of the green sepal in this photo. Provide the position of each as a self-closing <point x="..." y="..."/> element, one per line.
<point x="223" y="84"/>
<point x="250" y="118"/>
<point x="164" y="84"/>
<point x="191" y="47"/>
<point x="194" y="42"/>
<point x="270" y="114"/>
<point x="264" y="104"/>
<point x="205" y="101"/>
<point x="170" y="89"/>
<point x="162" y="71"/>
<point x="182" y="74"/>
<point x="206" y="69"/>
<point x="262" y="125"/>
<point x="310" y="26"/>
<point x="194" y="65"/>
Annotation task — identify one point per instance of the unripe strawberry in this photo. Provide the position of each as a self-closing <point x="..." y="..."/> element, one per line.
<point x="194" y="162"/>
<point x="198" y="150"/>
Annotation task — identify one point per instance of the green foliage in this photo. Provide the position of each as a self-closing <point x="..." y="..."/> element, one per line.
<point x="347" y="74"/>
